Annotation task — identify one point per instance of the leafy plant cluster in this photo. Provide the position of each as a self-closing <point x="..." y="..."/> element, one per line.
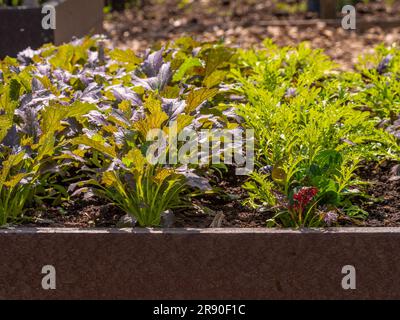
<point x="378" y="90"/>
<point x="314" y="128"/>
<point x="74" y="121"/>
<point x="75" y="118"/>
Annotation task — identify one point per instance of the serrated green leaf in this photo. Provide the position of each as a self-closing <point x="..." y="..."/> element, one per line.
<point x="197" y="97"/>
<point x="185" y="67"/>
<point x="214" y="78"/>
<point x="170" y="92"/>
<point x="63" y="58"/>
<point x="109" y="179"/>
<point x="15" y="180"/>
<point x="97" y="145"/>
<point x="153" y="105"/>
<point x="12" y="160"/>
<point x="5" y="125"/>
<point x="78" y="109"/>
<point x="216" y="58"/>
<point x="46" y="146"/>
<point x="125" y="56"/>
<point x="152" y="121"/>
<point x="51" y="119"/>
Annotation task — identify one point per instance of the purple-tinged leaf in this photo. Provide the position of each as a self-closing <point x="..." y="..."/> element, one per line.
<point x="148" y="84"/>
<point x="92" y="94"/>
<point x="50" y="167"/>
<point x="43" y="69"/>
<point x="122" y="136"/>
<point x="74" y="156"/>
<point x="12" y="139"/>
<point x="74" y="128"/>
<point x="120" y="116"/>
<point x="155" y="83"/>
<point x="291" y="93"/>
<point x="15" y="69"/>
<point x="231" y="114"/>
<point x="97" y="118"/>
<point x="196" y="51"/>
<point x="122" y="93"/>
<point x="164" y="76"/>
<point x="193" y="180"/>
<point x="89" y="133"/>
<point x="62" y="75"/>
<point x="93" y="57"/>
<point x="138" y="114"/>
<point x="25" y="57"/>
<point x="152" y="64"/>
<point x="37" y="85"/>
<point x="384" y="64"/>
<point x="87" y="192"/>
<point x="77" y="42"/>
<point x="173" y="107"/>
<point x="40" y="100"/>
<point x="29" y="122"/>
<point x="116" y="165"/>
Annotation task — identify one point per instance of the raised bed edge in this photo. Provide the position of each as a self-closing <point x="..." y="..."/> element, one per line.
<point x="133" y="231"/>
<point x="200" y="263"/>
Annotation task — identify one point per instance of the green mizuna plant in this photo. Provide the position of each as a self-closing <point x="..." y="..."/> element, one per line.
<point x="377" y="91"/>
<point x="308" y="129"/>
<point x="378" y="82"/>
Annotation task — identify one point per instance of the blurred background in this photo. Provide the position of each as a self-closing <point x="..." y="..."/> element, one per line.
<point x="138" y="24"/>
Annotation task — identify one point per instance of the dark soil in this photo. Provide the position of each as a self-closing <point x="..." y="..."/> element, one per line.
<point x="222" y="209"/>
<point x="225" y="208"/>
<point x="384" y="207"/>
<point x="81" y="214"/>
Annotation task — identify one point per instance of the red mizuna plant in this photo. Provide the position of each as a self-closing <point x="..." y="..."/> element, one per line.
<point x="300" y="211"/>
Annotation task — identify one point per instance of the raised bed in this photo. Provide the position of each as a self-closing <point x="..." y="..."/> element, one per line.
<point x="200" y="264"/>
<point x="189" y="263"/>
<point x="21" y="27"/>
